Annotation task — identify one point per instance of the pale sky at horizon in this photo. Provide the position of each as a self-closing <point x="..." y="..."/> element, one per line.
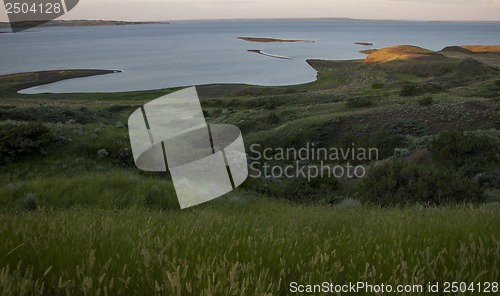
<point x="157" y="10"/>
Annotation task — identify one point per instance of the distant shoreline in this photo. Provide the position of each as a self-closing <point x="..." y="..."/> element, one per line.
<point x="337" y="19"/>
<point x="75" y="23"/>
<point x="82" y="23"/>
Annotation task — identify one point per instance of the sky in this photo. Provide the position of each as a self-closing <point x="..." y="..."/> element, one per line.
<point x="164" y="10"/>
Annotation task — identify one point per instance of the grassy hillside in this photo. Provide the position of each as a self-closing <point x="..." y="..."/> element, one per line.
<point x="78" y="217"/>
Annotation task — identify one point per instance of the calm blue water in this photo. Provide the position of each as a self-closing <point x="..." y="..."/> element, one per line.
<point x="186" y="53"/>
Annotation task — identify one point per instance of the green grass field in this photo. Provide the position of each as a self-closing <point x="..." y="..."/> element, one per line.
<point x="243" y="245"/>
<point x="78" y="218"/>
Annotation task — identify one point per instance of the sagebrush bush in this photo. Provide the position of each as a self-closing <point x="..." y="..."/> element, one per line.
<point x="14" y="188"/>
<point x="401" y="183"/>
<point x="408" y="90"/>
<point x="273" y="118"/>
<point x="30" y="202"/>
<point x="359" y="102"/>
<point x="350" y="203"/>
<point x="18" y="140"/>
<point x="408" y="127"/>
<point x="467" y="152"/>
<point x="489" y="179"/>
<point x="385" y="142"/>
<point x="411" y="90"/>
<point x="425" y="101"/>
<point x="297" y="189"/>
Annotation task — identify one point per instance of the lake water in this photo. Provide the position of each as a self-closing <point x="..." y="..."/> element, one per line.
<point x="185" y="53"/>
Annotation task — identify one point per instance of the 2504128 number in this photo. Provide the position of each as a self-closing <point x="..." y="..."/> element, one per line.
<point x="35" y="8"/>
<point x="461" y="287"/>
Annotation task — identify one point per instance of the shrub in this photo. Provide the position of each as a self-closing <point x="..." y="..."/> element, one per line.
<point x="496" y="121"/>
<point x="411" y="90"/>
<point x="271" y="104"/>
<point x="401" y="152"/>
<point x="125" y="157"/>
<point x="297" y="189"/>
<point x="468" y="152"/>
<point x="385" y="142"/>
<point x="378" y="85"/>
<point x="425" y="101"/>
<point x="350" y="203"/>
<point x="359" y="102"/>
<point x="408" y="90"/>
<point x="489" y="179"/>
<point x="30" y="202"/>
<point x="14" y="188"/>
<point x="408" y="127"/>
<point x="103" y="153"/>
<point x="19" y="140"/>
<point x="273" y="118"/>
<point x="401" y="183"/>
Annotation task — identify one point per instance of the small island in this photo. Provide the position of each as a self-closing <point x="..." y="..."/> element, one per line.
<point x="364" y="43"/>
<point x="270" y="40"/>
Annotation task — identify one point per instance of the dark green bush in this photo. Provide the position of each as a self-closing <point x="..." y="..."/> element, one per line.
<point x="411" y="90"/>
<point x="384" y="141"/>
<point x="425" y="101"/>
<point x="359" y="102"/>
<point x="301" y="190"/>
<point x="408" y="127"/>
<point x="19" y="140"/>
<point x="273" y="118"/>
<point x="489" y="179"/>
<point x="30" y="202"/>
<point x="378" y="85"/>
<point x="125" y="158"/>
<point x="464" y="151"/>
<point x="401" y="183"/>
<point x="408" y="90"/>
<point x="296" y="189"/>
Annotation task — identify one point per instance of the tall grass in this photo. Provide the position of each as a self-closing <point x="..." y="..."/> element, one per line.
<point x="242" y="247"/>
<point x="112" y="190"/>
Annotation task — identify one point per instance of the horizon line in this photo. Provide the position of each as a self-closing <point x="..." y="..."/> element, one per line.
<point x="287" y="18"/>
<point x="283" y="18"/>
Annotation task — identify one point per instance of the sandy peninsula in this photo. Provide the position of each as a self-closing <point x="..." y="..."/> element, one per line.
<point x="400" y="52"/>
<point x="26" y="80"/>
<point x="268" y="54"/>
